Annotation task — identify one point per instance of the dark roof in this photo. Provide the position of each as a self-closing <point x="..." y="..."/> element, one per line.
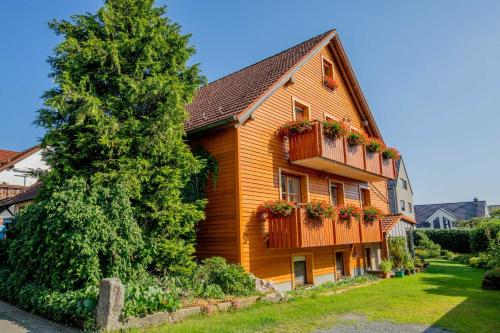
<point x="390" y="220"/>
<point x="461" y="210"/>
<point x="230" y="95"/>
<point x="26" y="195"/>
<point x="19" y="156"/>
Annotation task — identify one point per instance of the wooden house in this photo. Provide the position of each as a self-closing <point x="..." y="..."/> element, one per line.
<point x="236" y="119"/>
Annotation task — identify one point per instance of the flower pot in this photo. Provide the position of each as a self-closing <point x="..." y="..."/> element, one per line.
<point x="386" y="275"/>
<point x="399" y="274"/>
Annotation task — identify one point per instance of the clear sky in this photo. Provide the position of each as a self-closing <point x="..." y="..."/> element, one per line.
<point x="430" y="71"/>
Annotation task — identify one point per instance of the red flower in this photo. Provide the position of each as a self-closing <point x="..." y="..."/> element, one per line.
<point x="330" y="82"/>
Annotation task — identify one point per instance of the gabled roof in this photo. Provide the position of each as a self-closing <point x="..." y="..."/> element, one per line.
<point x="19" y="156"/>
<point x="233" y="98"/>
<point x="26" y="195"/>
<point x="400" y="165"/>
<point x="7" y="155"/>
<point x="461" y="210"/>
<point x="390" y="220"/>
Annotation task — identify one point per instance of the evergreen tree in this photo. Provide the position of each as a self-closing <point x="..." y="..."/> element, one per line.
<point x="116" y="115"/>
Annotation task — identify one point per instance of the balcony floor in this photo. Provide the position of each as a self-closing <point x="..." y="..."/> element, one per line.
<point x="341" y="169"/>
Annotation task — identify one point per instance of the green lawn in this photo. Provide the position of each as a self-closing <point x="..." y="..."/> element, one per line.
<point x="447" y="295"/>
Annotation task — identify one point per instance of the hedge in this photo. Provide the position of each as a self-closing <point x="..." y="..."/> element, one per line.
<point x="455" y="240"/>
<point x="480" y="236"/>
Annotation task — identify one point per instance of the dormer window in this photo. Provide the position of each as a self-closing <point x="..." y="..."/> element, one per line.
<point x="328" y="79"/>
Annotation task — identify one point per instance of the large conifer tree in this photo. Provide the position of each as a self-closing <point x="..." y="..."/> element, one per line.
<point x="116" y="115"/>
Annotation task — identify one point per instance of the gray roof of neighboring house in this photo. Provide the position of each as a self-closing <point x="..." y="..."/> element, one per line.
<point x="461" y="210"/>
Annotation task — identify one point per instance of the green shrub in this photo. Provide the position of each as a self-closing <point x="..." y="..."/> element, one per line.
<point x="483" y="234"/>
<point x="76" y="308"/>
<point x="455" y="240"/>
<point x="463" y="258"/>
<point x="448" y="254"/>
<point x="424" y="247"/>
<point x="76" y="235"/>
<point x="419" y="262"/>
<point x="483" y="260"/>
<point x="398" y="251"/>
<point x="386" y="266"/>
<point x="214" y="278"/>
<point x="491" y="279"/>
<point x="149" y="296"/>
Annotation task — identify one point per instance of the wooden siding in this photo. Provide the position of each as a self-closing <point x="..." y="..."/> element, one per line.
<point x="262" y="155"/>
<point x="217" y="235"/>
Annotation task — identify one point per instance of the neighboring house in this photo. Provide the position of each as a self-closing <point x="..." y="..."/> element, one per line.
<point x="397" y="225"/>
<point x="236" y="119"/>
<point x="11" y="206"/>
<point x="401" y="192"/>
<point x="445" y="215"/>
<point x="15" y="168"/>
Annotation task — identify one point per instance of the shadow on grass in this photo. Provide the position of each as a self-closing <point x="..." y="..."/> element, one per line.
<point x="479" y="312"/>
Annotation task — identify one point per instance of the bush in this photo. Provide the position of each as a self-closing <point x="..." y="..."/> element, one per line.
<point x="463" y="258"/>
<point x="424" y="247"/>
<point x="150" y="296"/>
<point x="455" y="240"/>
<point x="481" y="236"/>
<point x="482" y="260"/>
<point x="491" y="279"/>
<point x="215" y="278"/>
<point x="75" y="308"/>
<point x="448" y="254"/>
<point x="398" y="252"/>
<point x="386" y="266"/>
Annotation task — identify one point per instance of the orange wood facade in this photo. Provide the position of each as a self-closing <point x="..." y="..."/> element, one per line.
<point x="252" y="159"/>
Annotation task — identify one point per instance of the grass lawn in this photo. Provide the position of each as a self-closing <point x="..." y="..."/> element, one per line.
<point x="447" y="295"/>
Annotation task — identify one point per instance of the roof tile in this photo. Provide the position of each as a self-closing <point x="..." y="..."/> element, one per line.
<point x="230" y="95"/>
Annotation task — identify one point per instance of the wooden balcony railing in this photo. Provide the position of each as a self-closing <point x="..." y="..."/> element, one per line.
<point x="298" y="231"/>
<point x="314" y="150"/>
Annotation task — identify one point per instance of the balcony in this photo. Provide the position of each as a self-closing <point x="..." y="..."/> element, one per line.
<point x="297" y="231"/>
<point x="316" y="151"/>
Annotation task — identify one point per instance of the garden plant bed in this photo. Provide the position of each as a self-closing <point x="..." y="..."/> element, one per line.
<point x="447" y="295"/>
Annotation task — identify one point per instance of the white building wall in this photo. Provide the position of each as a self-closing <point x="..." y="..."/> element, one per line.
<point x="14" y="175"/>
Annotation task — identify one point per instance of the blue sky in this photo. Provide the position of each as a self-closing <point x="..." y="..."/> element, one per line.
<point x="429" y="70"/>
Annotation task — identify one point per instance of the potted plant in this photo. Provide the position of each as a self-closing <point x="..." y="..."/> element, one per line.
<point x="356" y="138"/>
<point x="296" y="127"/>
<point x="330" y="82"/>
<point x="346" y="212"/>
<point x="373" y="145"/>
<point x="386" y="267"/>
<point x="275" y="209"/>
<point x="391" y="153"/>
<point x="317" y="209"/>
<point x="399" y="254"/>
<point x="334" y="129"/>
<point x="410" y="266"/>
<point x="371" y="214"/>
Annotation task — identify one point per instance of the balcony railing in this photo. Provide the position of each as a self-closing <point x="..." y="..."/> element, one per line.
<point x="298" y="231"/>
<point x="316" y="151"/>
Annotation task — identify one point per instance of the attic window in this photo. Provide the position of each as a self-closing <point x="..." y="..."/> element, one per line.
<point x="328" y="79"/>
<point x="300" y="110"/>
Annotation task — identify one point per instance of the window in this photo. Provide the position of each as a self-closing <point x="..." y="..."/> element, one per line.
<point x="300" y="110"/>
<point x="365" y="197"/>
<point x="446" y="223"/>
<point x="336" y="194"/>
<point x="410" y="207"/>
<point x="436" y="223"/>
<point x="404" y="183"/>
<point x="290" y="188"/>
<point x="402" y="205"/>
<point x="327" y="68"/>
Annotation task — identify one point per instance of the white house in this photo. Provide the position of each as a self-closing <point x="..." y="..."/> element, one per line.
<point x="445" y="215"/>
<point x="15" y="167"/>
